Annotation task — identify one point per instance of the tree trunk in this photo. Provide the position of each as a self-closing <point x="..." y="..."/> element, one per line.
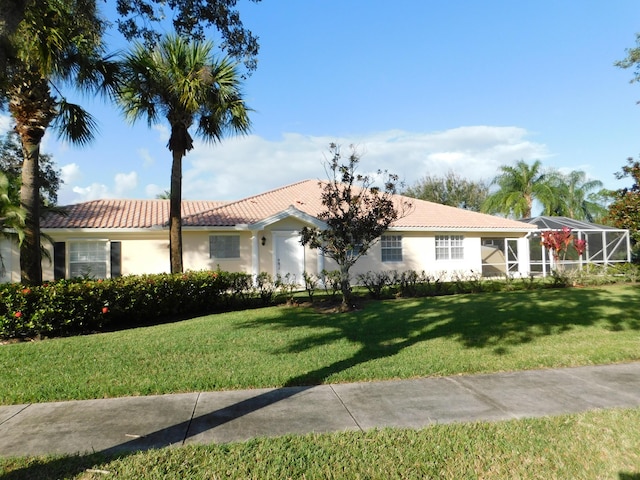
<point x="30" y="250"/>
<point x="175" y="213"/>
<point x="345" y="286"/>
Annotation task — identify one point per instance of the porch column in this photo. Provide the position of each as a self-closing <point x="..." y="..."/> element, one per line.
<point x="524" y="256"/>
<point x="255" y="255"/>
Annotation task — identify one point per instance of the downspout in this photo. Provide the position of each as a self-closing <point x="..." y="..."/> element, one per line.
<point x="255" y="257"/>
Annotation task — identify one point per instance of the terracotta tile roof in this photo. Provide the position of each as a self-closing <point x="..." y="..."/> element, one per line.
<point x="304" y="196"/>
<point x="121" y="213"/>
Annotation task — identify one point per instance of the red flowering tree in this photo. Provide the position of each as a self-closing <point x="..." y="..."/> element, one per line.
<point x="559" y="242"/>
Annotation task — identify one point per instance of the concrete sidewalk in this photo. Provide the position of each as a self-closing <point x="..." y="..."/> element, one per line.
<point x="138" y="423"/>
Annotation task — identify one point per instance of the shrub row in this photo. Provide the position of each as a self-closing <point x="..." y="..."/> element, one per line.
<point x="71" y="307"/>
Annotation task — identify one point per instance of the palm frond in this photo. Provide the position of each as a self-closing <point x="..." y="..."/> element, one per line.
<point x="74" y="123"/>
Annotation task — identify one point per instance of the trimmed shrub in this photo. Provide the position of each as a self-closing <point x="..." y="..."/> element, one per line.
<point x="71" y="307"/>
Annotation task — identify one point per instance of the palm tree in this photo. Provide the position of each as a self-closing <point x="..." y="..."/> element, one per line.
<point x="183" y="82"/>
<point x="518" y="187"/>
<point x="11" y="215"/>
<point x="59" y="42"/>
<point x="577" y="197"/>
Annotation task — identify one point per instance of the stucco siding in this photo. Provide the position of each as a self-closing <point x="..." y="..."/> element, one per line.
<point x="10" y="257"/>
<point x="196" y="254"/>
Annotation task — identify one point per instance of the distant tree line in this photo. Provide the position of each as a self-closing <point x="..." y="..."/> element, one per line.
<point x="514" y="190"/>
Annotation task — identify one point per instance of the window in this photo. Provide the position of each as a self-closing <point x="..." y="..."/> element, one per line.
<point x="88" y="259"/>
<point x="391" y="246"/>
<point x="449" y="247"/>
<point x="224" y="246"/>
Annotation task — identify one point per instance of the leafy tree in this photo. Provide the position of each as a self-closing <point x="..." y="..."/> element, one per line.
<point x="450" y="189"/>
<point x="624" y="210"/>
<point x="164" y="195"/>
<point x="632" y="60"/>
<point x="190" y="17"/>
<point x="58" y="43"/>
<point x="518" y="186"/>
<point x="183" y="82"/>
<point x="356" y="213"/>
<point x="11" y="158"/>
<point x="579" y="197"/>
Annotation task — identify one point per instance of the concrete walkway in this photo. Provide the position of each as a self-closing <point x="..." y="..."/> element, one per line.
<point x="138" y="423"/>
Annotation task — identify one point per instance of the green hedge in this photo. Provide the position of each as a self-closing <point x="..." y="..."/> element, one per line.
<point x="71" y="307"/>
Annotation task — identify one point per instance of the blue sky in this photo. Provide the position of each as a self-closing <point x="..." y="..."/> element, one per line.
<point x="420" y="86"/>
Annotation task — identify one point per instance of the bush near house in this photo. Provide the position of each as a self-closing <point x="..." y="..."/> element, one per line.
<point x="72" y="307"/>
<point x="82" y="306"/>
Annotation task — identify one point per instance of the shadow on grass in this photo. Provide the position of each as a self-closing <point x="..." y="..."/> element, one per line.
<point x="54" y="469"/>
<point x="497" y="321"/>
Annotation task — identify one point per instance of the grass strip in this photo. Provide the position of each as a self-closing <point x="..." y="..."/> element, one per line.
<point x="284" y="346"/>
<point x="599" y="444"/>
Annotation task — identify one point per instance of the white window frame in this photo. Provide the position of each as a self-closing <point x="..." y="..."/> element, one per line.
<point x="228" y="255"/>
<point x="449" y="247"/>
<point x="391" y="248"/>
<point x="86" y="257"/>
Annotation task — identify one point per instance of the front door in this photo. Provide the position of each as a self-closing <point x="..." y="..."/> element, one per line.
<point x="289" y="256"/>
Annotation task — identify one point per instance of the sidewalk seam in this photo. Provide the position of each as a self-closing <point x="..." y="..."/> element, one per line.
<point x="15" y="414"/>
<point x="483" y="397"/>
<point x="193" y="413"/>
<point x="346" y="408"/>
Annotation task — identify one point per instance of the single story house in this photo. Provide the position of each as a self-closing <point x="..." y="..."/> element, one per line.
<point x="108" y="238"/>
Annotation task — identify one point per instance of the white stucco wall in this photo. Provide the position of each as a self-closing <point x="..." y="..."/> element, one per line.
<point x="141" y="252"/>
<point x="10" y="261"/>
<point x="146" y="252"/>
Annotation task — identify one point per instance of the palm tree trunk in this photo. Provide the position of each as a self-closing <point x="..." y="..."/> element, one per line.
<point x="175" y="213"/>
<point x="30" y="253"/>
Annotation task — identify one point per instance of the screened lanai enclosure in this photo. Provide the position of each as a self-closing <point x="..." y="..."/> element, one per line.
<point x="507" y="256"/>
<point x="605" y="245"/>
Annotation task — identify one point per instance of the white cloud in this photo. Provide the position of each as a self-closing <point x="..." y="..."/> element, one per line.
<point x="243" y="166"/>
<point x="125" y="182"/>
<point x="147" y="159"/>
<point x="163" y="130"/>
<point x="123" y="185"/>
<point x="239" y="167"/>
<point x="70" y="173"/>
<point x="152" y="190"/>
<point x="94" y="191"/>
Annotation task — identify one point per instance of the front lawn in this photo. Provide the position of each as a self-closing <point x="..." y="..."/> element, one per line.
<point x="279" y="346"/>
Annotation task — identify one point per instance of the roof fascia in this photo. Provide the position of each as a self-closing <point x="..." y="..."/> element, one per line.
<point x="290" y="212"/>
<point x="461" y="229"/>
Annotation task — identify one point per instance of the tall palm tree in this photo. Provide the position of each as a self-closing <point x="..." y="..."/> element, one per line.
<point x="576" y="196"/>
<point x="518" y="187"/>
<point x="11" y="215"/>
<point x="183" y="82"/>
<point x="58" y="43"/>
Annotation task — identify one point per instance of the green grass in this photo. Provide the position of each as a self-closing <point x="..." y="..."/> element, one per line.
<point x="592" y="445"/>
<point x="281" y="346"/>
